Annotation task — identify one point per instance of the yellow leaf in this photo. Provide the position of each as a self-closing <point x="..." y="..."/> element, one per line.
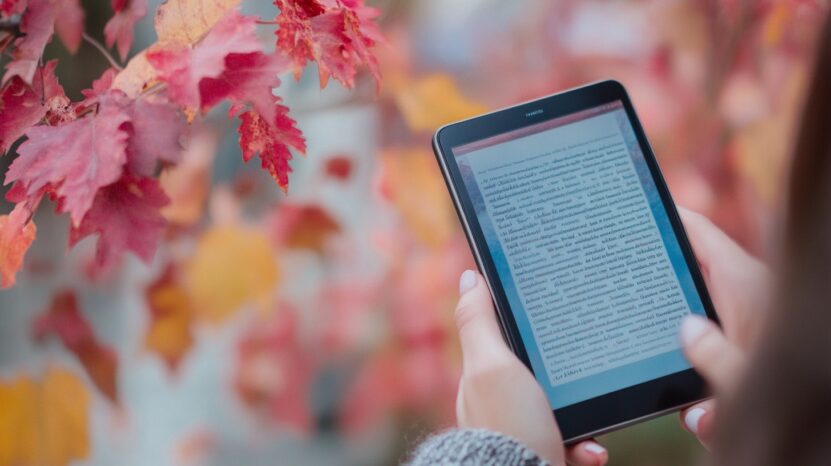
<point x="761" y="148"/>
<point x="171" y="314"/>
<point x="433" y="101"/>
<point x="232" y="267"/>
<point x="187" y="21"/>
<point x="44" y="422"/>
<point x="412" y="181"/>
<point x="138" y="75"/>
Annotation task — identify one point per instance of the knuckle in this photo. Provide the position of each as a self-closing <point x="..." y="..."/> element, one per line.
<point x="465" y="313"/>
<point x="708" y="349"/>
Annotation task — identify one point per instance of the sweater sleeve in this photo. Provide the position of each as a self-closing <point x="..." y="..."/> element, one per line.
<point x="474" y="447"/>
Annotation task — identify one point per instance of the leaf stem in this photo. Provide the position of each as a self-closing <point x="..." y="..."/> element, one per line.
<point x="103" y="51"/>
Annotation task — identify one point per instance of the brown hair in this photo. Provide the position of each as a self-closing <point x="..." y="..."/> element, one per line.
<point x="781" y="414"/>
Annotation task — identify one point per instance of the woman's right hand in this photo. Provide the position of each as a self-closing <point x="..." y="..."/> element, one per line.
<point x="738" y="284"/>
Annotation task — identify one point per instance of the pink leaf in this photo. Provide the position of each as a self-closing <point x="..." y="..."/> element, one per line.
<point x="69" y="23"/>
<point x="75" y="159"/>
<point x="157" y="127"/>
<point x="273" y="374"/>
<point x="37" y="25"/>
<point x="119" y="29"/>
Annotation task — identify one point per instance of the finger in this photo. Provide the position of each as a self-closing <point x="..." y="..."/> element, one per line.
<point x="698" y="420"/>
<point x="479" y="333"/>
<point x="461" y="414"/>
<point x="710" y="353"/>
<point x="708" y="241"/>
<point x="587" y="453"/>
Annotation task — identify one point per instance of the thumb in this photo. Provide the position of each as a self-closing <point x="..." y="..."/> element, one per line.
<point x="710" y="353"/>
<point x="481" y="339"/>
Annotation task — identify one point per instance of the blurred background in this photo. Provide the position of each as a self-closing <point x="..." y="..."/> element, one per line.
<point x="315" y="327"/>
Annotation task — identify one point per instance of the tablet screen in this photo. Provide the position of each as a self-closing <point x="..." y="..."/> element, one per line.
<point x="585" y="250"/>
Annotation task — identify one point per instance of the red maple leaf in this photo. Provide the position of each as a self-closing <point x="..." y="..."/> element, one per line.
<point x="271" y="140"/>
<point x="184" y="68"/>
<point x="37" y="27"/>
<point x="41" y="18"/>
<point x="119" y="29"/>
<point x="248" y="78"/>
<point x="10" y="7"/>
<point x="69" y="23"/>
<point x="64" y="320"/>
<point x="126" y="216"/>
<point x="337" y="34"/>
<point x="303" y="226"/>
<point x="265" y="129"/>
<point x="76" y="159"/>
<point x="339" y="167"/>
<point x="23" y="105"/>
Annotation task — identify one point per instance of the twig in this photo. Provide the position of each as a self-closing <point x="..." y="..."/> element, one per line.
<point x="155" y="88"/>
<point x="103" y="51"/>
<point x="262" y="21"/>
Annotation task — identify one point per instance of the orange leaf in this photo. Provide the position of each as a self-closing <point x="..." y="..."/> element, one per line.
<point x="187" y="21"/>
<point x="301" y="226"/>
<point x="171" y="318"/>
<point x="433" y="101"/>
<point x="44" y="422"/>
<point x="231" y="268"/>
<point x="773" y="26"/>
<point x="187" y="183"/>
<point x="65" y="320"/>
<point x="411" y="180"/>
<point x="16" y="235"/>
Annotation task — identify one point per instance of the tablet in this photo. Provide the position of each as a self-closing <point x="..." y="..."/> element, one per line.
<point x="573" y="227"/>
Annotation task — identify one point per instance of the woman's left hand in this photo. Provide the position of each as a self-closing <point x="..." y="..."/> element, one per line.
<point x="497" y="392"/>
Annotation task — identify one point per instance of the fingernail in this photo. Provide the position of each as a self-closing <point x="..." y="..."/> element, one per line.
<point x="467" y="281"/>
<point x="692" y="328"/>
<point x="693" y="417"/>
<point x="594" y="448"/>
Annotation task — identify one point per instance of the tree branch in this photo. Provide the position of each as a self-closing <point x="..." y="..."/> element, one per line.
<point x="103" y="51"/>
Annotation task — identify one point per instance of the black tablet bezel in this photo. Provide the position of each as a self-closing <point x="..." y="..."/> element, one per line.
<point x="616" y="409"/>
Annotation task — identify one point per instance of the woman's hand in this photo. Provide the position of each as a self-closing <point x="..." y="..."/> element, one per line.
<point x="497" y="392"/>
<point x="738" y="284"/>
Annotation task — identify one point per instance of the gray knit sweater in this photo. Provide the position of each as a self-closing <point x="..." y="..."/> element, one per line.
<point x="474" y="447"/>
